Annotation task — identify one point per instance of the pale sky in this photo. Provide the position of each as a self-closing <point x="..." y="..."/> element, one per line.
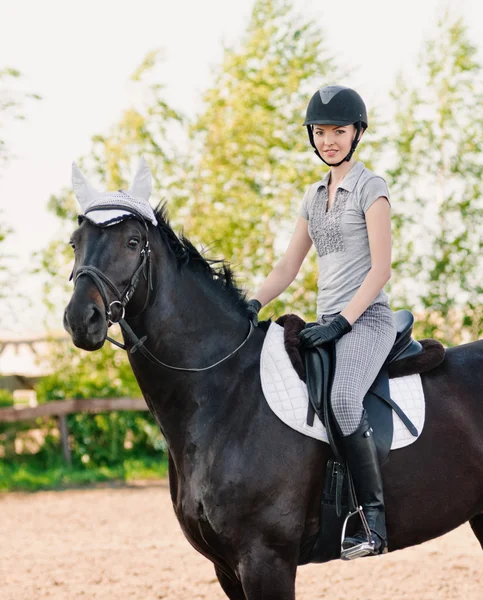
<point x="79" y="56"/>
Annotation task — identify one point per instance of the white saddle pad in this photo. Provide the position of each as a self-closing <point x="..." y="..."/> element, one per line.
<point x="287" y="395"/>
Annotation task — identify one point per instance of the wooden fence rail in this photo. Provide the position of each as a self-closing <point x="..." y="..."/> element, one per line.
<point x="61" y="408"/>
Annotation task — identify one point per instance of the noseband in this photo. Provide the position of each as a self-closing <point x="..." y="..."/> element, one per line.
<point x="123" y="298"/>
<point x="101" y="281"/>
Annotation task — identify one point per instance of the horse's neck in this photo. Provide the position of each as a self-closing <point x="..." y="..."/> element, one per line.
<point x="187" y="325"/>
<point x="190" y="322"/>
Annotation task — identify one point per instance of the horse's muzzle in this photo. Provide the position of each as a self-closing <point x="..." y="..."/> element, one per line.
<point x="87" y="325"/>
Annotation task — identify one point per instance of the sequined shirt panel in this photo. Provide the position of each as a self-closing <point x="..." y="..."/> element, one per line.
<point x="340" y="235"/>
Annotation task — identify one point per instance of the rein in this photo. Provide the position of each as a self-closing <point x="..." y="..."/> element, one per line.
<point x="101" y="280"/>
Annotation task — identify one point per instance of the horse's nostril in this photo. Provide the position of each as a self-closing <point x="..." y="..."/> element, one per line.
<point x="95" y="316"/>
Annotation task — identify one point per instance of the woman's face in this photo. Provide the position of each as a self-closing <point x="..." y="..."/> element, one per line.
<point x="334" y="141"/>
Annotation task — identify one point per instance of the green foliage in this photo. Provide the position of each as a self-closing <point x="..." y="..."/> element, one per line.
<point x="12" y="433"/>
<point x="79" y="374"/>
<point x="103" y="439"/>
<point x="31" y="473"/>
<point x="98" y="441"/>
<point x="8" y="431"/>
<point x="437" y="182"/>
<point x="6" y="398"/>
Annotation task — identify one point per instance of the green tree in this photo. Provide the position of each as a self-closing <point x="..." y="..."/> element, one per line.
<point x="252" y="160"/>
<point x="437" y="182"/>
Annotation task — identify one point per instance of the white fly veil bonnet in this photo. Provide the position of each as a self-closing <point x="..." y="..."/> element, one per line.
<point x="109" y="208"/>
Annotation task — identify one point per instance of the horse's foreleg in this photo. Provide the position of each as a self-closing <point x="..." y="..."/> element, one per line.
<point x="264" y="574"/>
<point x="231" y="585"/>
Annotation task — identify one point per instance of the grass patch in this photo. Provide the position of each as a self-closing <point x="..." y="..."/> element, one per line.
<point x="32" y="475"/>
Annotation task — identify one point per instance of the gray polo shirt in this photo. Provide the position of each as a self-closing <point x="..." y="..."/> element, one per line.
<point x="340" y="235"/>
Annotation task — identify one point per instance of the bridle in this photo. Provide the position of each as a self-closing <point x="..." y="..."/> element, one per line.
<point x="102" y="282"/>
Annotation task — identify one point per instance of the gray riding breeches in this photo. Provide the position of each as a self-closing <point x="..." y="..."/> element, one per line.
<point x="360" y="355"/>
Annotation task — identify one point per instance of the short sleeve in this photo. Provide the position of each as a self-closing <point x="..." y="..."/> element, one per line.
<point x="304" y="209"/>
<point x="372" y="190"/>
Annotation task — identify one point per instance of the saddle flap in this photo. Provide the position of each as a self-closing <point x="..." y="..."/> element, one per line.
<point x="380" y="413"/>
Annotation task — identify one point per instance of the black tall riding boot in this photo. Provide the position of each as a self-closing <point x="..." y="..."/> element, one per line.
<point x="361" y="455"/>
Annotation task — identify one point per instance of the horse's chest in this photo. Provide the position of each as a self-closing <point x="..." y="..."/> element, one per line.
<point x="204" y="524"/>
<point x="199" y="507"/>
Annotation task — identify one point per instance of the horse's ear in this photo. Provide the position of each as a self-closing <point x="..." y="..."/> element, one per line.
<point x="83" y="190"/>
<point x="142" y="185"/>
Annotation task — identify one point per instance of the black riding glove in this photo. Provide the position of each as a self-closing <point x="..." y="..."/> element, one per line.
<point x="317" y="335"/>
<point x="254" y="307"/>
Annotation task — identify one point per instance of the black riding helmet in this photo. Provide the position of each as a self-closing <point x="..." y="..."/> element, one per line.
<point x="336" y="105"/>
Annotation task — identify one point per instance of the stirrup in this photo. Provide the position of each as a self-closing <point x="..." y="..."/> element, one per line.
<point x="366" y="548"/>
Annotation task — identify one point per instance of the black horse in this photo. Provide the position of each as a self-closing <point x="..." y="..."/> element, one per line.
<point x="245" y="487"/>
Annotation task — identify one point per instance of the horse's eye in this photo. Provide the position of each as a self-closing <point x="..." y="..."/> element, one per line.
<point x="133" y="243"/>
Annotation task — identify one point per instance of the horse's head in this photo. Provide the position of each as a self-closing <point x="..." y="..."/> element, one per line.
<point x="112" y="257"/>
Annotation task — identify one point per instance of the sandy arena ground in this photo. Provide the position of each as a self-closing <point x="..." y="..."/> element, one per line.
<point x="116" y="543"/>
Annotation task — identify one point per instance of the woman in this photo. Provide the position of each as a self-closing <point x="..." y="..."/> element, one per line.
<point x="346" y="216"/>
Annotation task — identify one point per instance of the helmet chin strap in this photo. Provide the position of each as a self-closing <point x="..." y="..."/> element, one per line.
<point x="355" y="142"/>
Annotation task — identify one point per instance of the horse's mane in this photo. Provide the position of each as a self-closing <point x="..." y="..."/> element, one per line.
<point x="217" y="271"/>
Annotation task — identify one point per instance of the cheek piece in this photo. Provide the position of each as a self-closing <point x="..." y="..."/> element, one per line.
<point x="351" y="152"/>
